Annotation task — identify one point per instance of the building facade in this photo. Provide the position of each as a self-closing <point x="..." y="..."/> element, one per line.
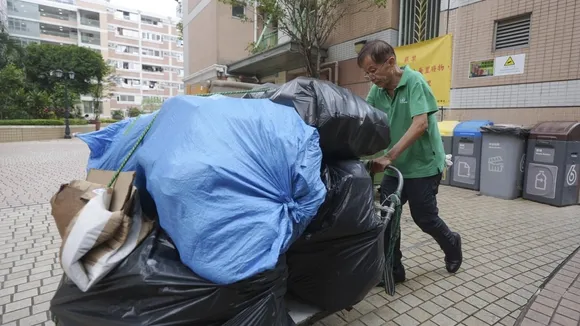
<point x="541" y="37"/>
<point x="143" y="48"/>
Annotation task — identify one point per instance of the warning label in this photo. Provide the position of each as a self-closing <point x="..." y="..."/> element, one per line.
<point x="509" y="65"/>
<point x="509" y="62"/>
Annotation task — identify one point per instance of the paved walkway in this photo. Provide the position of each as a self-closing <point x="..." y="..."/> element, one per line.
<point x="558" y="300"/>
<point x="510" y="247"/>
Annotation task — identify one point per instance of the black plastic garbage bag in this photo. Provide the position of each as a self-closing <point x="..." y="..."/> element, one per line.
<point x="507" y="129"/>
<point x="153" y="287"/>
<point x="340" y="256"/>
<point x="349" y="127"/>
<point x="269" y="90"/>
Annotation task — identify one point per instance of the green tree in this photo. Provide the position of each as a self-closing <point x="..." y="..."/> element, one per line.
<point x="10" y="51"/>
<point x="308" y="23"/>
<point x="88" y="66"/>
<point x="102" y="88"/>
<point x="12" y="91"/>
<point x="150" y="104"/>
<point x="134" y="112"/>
<point x="117" y="115"/>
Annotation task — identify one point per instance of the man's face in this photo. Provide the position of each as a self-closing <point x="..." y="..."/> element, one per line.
<point x="379" y="73"/>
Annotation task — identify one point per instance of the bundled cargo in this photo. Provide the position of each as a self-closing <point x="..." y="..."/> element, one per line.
<point x="349" y="127"/>
<point x="152" y="287"/>
<point x="340" y="256"/>
<point x="235" y="181"/>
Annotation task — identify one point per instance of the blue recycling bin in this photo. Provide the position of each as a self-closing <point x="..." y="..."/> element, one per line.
<point x="467" y="153"/>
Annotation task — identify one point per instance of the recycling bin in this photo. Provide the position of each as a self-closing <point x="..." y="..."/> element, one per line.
<point x="446" y="130"/>
<point x="467" y="153"/>
<point x="553" y="164"/>
<point x="503" y="157"/>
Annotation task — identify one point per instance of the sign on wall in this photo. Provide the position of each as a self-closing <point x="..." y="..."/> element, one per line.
<point x="482" y="68"/>
<point x="500" y="66"/>
<point x="433" y="59"/>
<point x="509" y="65"/>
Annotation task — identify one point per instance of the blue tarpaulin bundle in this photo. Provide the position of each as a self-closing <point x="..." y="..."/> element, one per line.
<point x="235" y="181"/>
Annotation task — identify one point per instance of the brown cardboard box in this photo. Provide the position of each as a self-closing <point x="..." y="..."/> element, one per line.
<point x="72" y="197"/>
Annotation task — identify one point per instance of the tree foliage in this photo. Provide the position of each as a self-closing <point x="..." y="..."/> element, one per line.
<point x="308" y="23"/>
<point x="150" y="104"/>
<point x="28" y="91"/>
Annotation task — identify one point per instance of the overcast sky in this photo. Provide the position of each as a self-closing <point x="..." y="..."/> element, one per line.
<point x="163" y="7"/>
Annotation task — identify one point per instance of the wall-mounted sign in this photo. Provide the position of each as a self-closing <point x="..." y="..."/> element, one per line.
<point x="482" y="68"/>
<point x="500" y="66"/>
<point x="509" y="65"/>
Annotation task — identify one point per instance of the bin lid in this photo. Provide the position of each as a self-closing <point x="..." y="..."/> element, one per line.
<point x="557" y="130"/>
<point x="471" y="128"/>
<point x="446" y="127"/>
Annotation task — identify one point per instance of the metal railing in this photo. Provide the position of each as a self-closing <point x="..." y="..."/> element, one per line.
<point x="90" y="22"/>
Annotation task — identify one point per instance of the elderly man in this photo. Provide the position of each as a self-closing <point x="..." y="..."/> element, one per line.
<point x="416" y="148"/>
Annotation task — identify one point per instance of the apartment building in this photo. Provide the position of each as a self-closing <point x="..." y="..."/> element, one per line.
<point x="3" y="13"/>
<point x="542" y="37"/>
<point x="144" y="48"/>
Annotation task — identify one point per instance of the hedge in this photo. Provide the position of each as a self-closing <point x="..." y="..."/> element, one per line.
<point x="42" y="122"/>
<point x="109" y="120"/>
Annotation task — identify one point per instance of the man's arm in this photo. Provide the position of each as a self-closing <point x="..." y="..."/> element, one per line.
<point x="420" y="111"/>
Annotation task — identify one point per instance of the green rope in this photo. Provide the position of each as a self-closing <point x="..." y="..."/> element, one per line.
<point x="132" y="151"/>
<point x="237" y="92"/>
<point x="131" y="126"/>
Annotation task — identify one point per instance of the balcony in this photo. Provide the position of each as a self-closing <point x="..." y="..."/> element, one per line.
<point x="281" y="57"/>
<point x="268" y="41"/>
<point x="91" y="38"/>
<point x="60" y="34"/>
<point x="90" y="19"/>
<point x="57" y="16"/>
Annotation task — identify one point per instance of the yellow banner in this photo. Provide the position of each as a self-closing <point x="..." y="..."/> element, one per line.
<point x="433" y="59"/>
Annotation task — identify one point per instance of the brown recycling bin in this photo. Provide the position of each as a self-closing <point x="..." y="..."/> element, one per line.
<point x="553" y="164"/>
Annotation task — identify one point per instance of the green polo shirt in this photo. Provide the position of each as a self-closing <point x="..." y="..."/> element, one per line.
<point x="413" y="97"/>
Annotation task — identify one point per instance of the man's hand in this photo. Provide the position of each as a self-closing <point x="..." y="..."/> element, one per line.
<point x="380" y="164"/>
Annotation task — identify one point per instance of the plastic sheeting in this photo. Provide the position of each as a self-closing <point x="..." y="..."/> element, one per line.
<point x="152" y="287"/>
<point x="349" y="127"/>
<point x="340" y="256"/>
<point x="235" y="181"/>
<point x="110" y="145"/>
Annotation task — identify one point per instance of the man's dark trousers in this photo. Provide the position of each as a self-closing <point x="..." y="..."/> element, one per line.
<point x="421" y="194"/>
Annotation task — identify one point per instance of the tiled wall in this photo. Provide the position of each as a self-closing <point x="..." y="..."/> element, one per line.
<point x="550" y="94"/>
<point x="364" y="19"/>
<point x="521" y="116"/>
<point x="345" y="50"/>
<point x="552" y="55"/>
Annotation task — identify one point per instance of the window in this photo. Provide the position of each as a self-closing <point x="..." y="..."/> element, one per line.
<point x="127" y="32"/>
<point x="151" y="36"/>
<point x="150" y="21"/>
<point x="126" y="98"/>
<point x="151" y="68"/>
<point x="512" y="32"/>
<point x="130" y="82"/>
<point x="127" y="65"/>
<point x="120" y="14"/>
<point x="126" y="49"/>
<point x="151" y="52"/>
<point x="17" y="25"/>
<point x="238" y="11"/>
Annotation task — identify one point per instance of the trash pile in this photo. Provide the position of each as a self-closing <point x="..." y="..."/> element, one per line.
<point x="232" y="204"/>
